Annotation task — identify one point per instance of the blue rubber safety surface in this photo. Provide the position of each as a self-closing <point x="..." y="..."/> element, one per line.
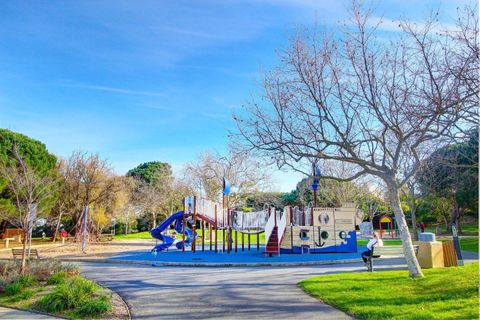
<point x="252" y="256"/>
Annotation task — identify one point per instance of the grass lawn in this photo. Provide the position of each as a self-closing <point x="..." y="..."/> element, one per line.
<point x="469" y="244"/>
<point x="447" y="293"/>
<point x="134" y="236"/>
<point x="467" y="229"/>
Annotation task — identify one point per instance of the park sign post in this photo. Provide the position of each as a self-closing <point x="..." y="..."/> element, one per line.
<point x="32" y="215"/>
<point x="456" y="242"/>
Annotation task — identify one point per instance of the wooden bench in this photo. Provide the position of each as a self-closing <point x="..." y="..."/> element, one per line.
<point x="17" y="253"/>
<point x="6" y="241"/>
<point x="106" y="237"/>
<point x="378" y="252"/>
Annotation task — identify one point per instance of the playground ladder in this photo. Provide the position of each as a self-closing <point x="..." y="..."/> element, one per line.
<point x="273" y="246"/>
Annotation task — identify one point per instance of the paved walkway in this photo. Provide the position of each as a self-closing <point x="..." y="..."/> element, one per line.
<point x="219" y="293"/>
<point x="14" y="314"/>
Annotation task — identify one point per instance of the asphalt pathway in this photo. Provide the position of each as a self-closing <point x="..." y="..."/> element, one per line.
<point x="14" y="314"/>
<point x="221" y="293"/>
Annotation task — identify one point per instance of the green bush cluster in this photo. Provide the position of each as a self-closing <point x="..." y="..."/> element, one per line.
<point x="24" y="294"/>
<point x="57" y="278"/>
<point x="17" y="286"/>
<point x="76" y="292"/>
<point x="39" y="270"/>
<point x="95" y="307"/>
<point x="13" y="288"/>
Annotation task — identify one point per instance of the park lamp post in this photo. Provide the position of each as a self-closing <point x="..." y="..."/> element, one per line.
<point x="316" y="179"/>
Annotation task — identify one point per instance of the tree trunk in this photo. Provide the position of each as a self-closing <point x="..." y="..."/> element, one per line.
<point x="445" y="220"/>
<point x="58" y="226"/>
<point x="413" y="267"/>
<point x="24" y="252"/>
<point x="411" y="204"/>
<point x="414" y="222"/>
<point x="455" y="213"/>
<point x="371" y="214"/>
<point x="461" y="212"/>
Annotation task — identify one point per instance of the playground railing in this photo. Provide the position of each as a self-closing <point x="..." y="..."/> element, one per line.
<point x="270" y="225"/>
<point x="249" y="220"/>
<point x="282" y="223"/>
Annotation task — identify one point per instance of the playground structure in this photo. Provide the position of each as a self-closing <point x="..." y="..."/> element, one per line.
<point x="391" y="232"/>
<point x="311" y="230"/>
<point x="215" y="218"/>
<point x="329" y="230"/>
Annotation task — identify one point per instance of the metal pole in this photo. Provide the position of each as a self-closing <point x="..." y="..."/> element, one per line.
<point x="85" y="217"/>
<point x="203" y="235"/>
<point x="210" y="235"/>
<point x="32" y="214"/>
<point x="249" y="241"/>
<point x="291" y="228"/>
<point x="223" y="239"/>
<point x="216" y="228"/>
<point x="236" y="241"/>
<point x="311" y="217"/>
<point x="194" y="227"/>
<point x="184" y="223"/>
<point x="243" y="241"/>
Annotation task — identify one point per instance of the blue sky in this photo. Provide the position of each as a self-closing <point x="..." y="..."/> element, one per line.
<point x="138" y="81"/>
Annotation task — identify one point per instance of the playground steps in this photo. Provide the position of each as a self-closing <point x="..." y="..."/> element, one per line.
<point x="272" y="246"/>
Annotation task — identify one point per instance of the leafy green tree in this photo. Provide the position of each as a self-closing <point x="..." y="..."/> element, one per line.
<point x="156" y="192"/>
<point x="452" y="173"/>
<point x="151" y="172"/>
<point x="16" y="147"/>
<point x="28" y="180"/>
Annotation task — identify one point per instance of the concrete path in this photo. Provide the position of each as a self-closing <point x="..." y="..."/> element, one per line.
<point x="220" y="293"/>
<point x="14" y="314"/>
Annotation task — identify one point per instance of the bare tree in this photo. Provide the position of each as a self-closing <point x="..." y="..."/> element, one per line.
<point x="381" y="106"/>
<point x="245" y="172"/>
<point x="88" y="180"/>
<point x="30" y="191"/>
<point x="412" y="197"/>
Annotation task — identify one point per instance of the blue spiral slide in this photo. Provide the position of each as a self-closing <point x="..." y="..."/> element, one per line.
<point x="167" y="241"/>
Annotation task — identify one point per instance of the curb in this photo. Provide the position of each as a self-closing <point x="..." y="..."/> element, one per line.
<point x="113" y="292"/>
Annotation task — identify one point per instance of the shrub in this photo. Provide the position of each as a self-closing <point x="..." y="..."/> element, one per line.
<point x="71" y="269"/>
<point x="83" y="285"/>
<point x="42" y="269"/>
<point x="95" y="307"/>
<point x="58" y="278"/>
<point x="73" y="293"/>
<point x="27" y="281"/>
<point x="9" y="273"/>
<point x="60" y="299"/>
<point x="13" y="288"/>
<point x="25" y="294"/>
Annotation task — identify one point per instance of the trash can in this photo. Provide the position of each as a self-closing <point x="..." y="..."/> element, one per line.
<point x="430" y="251"/>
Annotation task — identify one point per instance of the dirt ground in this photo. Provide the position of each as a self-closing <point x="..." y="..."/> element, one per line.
<point x="93" y="251"/>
